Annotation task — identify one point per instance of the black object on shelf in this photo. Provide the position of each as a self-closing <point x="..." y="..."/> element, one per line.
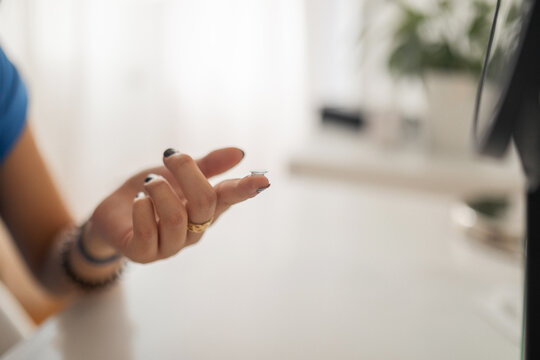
<point x="349" y="118"/>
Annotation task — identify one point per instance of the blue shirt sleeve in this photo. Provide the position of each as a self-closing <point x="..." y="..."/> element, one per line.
<point x="13" y="105"/>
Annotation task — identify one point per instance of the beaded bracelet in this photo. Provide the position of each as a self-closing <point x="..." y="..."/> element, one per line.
<point x="91" y="259"/>
<point x="73" y="236"/>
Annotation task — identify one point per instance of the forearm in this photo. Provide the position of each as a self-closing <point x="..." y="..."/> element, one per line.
<point x="36" y="216"/>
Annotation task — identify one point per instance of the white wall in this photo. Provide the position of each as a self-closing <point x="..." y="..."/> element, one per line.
<point x="113" y="83"/>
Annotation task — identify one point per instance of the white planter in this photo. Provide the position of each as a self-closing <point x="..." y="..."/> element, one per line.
<point x="450" y="103"/>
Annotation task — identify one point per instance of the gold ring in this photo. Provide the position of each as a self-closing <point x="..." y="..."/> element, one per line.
<point x="199" y="228"/>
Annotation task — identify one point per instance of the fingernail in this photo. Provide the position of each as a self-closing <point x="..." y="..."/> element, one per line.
<point x="258" y="172"/>
<point x="169" y="152"/>
<point x="140" y="195"/>
<point x="260" y="190"/>
<point x="150" y="177"/>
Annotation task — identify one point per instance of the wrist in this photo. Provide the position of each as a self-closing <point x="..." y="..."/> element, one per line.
<point x="88" y="272"/>
<point x="88" y="275"/>
<point x="94" y="247"/>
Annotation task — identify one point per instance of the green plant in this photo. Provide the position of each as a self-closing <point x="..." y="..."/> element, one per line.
<point x="449" y="36"/>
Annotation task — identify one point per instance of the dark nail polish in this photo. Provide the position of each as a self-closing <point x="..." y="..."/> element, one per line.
<point x="169" y="152"/>
<point x="149" y="178"/>
<point x="260" y="190"/>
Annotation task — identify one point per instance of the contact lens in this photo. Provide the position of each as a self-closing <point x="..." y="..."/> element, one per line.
<point x="258" y="172"/>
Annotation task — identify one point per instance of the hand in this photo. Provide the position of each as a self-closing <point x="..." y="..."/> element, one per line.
<point x="154" y="226"/>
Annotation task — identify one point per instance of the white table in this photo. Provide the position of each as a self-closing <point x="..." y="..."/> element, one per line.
<point x="309" y="270"/>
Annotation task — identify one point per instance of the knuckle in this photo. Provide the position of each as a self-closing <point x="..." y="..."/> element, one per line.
<point x="206" y="199"/>
<point x="144" y="235"/>
<point x="223" y="201"/>
<point x="144" y="252"/>
<point x="175" y="219"/>
<point x="145" y="249"/>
